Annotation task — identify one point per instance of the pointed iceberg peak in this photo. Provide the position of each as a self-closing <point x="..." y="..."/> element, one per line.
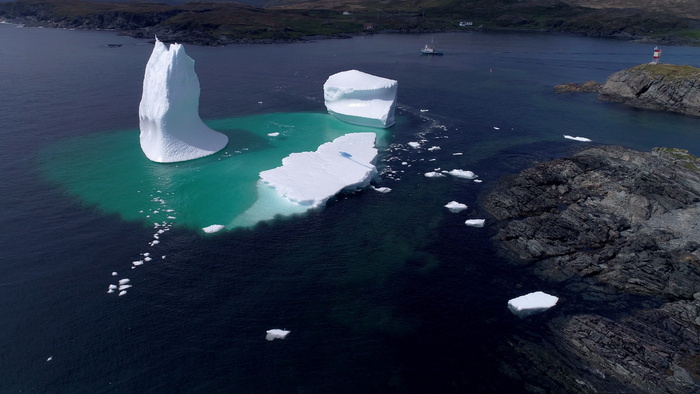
<point x="360" y="98"/>
<point x="171" y="129"/>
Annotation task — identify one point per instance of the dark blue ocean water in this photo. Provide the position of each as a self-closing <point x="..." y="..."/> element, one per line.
<point x="381" y="292"/>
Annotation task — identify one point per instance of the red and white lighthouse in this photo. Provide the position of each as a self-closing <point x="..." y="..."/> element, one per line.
<point x="657" y="55"/>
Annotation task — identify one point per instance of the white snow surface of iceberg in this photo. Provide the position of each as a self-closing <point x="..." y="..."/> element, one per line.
<point x="171" y="129"/>
<point x="360" y="98"/>
<point x="532" y="303"/>
<point x="311" y="178"/>
<point x="276" y="333"/>
<point x="455" y="206"/>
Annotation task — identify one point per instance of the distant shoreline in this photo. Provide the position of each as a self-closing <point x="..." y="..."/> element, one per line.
<point x="220" y="24"/>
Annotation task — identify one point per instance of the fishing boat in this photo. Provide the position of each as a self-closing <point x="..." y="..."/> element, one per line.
<point x="429" y="49"/>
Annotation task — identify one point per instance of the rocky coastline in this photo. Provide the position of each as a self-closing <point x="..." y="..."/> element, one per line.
<point x="660" y="87"/>
<point x="620" y="229"/>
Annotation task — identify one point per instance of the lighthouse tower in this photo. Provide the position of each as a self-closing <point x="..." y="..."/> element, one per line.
<point x="657" y="55"/>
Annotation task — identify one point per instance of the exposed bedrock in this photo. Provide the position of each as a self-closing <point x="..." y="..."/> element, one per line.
<point x="663" y="87"/>
<point x="627" y="221"/>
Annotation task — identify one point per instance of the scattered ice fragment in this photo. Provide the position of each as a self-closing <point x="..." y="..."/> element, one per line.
<point x="138" y="262"/>
<point x="434" y="148"/>
<point x="147" y="259"/>
<point x="582" y="139"/>
<point x="309" y="179"/>
<point x="424" y="110"/>
<point x="124" y="287"/>
<point x="454" y="206"/>
<point x="457" y="154"/>
<point x="475" y="222"/>
<point x="121" y="293"/>
<point x="114" y="273"/>
<point x="462" y="174"/>
<point x="360" y="98"/>
<point x="532" y="303"/>
<point x="496" y="128"/>
<point x="273" y="134"/>
<point x="478" y="180"/>
<point x="124" y="281"/>
<point x="112" y="287"/>
<point x="110" y="291"/>
<point x="433" y="174"/>
<point x="414" y="144"/>
<point x="382" y="189"/>
<point x="171" y="129"/>
<point x="50" y="358"/>
<point x="213" y="228"/>
<point x="276" y="333"/>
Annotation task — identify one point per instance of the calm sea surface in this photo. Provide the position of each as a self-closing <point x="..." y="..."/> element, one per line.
<point x="382" y="292"/>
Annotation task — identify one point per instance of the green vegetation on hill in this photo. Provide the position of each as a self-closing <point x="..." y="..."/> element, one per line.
<point x="670" y="71"/>
<point x="217" y="23"/>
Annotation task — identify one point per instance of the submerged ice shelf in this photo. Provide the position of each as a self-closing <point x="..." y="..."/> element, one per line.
<point x="129" y="185"/>
<point x="171" y="129"/>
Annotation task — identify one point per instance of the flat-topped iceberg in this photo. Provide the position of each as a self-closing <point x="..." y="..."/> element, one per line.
<point x="171" y="129"/>
<point x="532" y="303"/>
<point x="360" y="98"/>
<point x="311" y="178"/>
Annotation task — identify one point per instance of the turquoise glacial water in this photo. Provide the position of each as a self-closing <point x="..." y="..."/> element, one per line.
<point x="108" y="170"/>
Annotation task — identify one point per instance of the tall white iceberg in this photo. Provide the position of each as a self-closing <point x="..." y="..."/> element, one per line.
<point x="310" y="178"/>
<point x="360" y="98"/>
<point x="171" y="129"/>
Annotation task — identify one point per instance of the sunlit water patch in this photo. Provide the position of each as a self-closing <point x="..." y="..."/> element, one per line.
<point x="108" y="170"/>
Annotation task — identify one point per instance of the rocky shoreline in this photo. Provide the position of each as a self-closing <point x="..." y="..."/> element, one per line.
<point x="610" y="223"/>
<point x="660" y="87"/>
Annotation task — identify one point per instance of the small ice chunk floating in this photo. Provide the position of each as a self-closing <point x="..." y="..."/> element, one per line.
<point x="455" y="206"/>
<point x="276" y="333"/>
<point x="360" y="98"/>
<point x="171" y="129"/>
<point x="532" y="303"/>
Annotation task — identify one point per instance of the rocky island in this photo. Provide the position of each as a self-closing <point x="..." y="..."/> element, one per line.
<point x="661" y="87"/>
<point x="619" y="229"/>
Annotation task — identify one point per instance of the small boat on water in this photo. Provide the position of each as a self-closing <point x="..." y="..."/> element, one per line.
<point x="430" y="49"/>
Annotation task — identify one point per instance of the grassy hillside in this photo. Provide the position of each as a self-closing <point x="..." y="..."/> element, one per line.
<point x="216" y="23"/>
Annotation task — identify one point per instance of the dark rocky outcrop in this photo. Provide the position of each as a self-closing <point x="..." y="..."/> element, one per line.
<point x="586" y="87"/>
<point x="663" y="87"/>
<point x="628" y="222"/>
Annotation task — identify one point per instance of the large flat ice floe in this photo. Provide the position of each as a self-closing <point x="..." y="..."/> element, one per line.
<point x="171" y="129"/>
<point x="309" y="179"/>
<point x="532" y="303"/>
<point x="360" y="98"/>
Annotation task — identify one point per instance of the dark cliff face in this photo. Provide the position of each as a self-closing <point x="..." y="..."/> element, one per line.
<point x="605" y="223"/>
<point x="662" y="87"/>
